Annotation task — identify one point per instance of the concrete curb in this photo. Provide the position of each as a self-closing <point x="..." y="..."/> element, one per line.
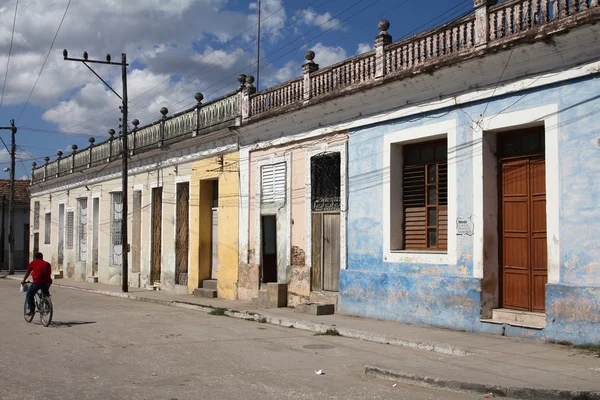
<point x="288" y="323"/>
<point x="499" y="391"/>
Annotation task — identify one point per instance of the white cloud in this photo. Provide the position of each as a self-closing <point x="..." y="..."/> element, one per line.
<point x="364" y="47"/>
<point x="310" y="17"/>
<point x="163" y="35"/>
<point x="289" y="71"/>
<point x="328" y="55"/>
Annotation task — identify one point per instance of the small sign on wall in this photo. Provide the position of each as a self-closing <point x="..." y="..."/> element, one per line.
<point x="464" y="226"/>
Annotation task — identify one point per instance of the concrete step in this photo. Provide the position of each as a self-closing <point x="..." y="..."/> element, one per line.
<point x="57" y="275"/>
<point x="518" y="318"/>
<point x="209" y="284"/>
<point x="201" y="292"/>
<point x="324" y="297"/>
<point x="92" y="279"/>
<point x="316" y="308"/>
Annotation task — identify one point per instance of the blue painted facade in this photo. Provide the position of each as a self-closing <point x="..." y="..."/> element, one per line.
<point x="448" y="295"/>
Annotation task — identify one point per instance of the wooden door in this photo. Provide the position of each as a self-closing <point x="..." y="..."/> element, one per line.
<point x="136" y="232"/>
<point x="214" y="243"/>
<point x="182" y="233"/>
<point x="269" y="248"/>
<point x="156" y="235"/>
<point x="325" y="251"/>
<point x="524" y="245"/>
<point x="331" y="252"/>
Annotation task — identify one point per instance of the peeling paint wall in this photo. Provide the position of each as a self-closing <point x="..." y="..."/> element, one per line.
<point x="293" y="268"/>
<point x="204" y="171"/>
<point x="451" y="295"/>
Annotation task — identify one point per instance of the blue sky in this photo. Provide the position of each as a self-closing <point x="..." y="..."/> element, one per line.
<point x="176" y="48"/>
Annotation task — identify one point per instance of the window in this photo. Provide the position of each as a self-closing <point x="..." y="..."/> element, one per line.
<point x="36" y="215"/>
<point x="425" y="196"/>
<point x="116" y="239"/>
<point x="69" y="233"/>
<point x="325" y="182"/>
<point x="47" y="228"/>
<point x="82" y="229"/>
<point x="273" y="182"/>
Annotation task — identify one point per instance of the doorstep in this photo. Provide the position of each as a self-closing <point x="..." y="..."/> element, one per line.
<point x="522" y="319"/>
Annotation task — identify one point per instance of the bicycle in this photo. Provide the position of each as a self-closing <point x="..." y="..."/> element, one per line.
<point x="43" y="305"/>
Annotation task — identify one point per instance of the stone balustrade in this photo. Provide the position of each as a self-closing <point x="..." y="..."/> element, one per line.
<point x="490" y="25"/>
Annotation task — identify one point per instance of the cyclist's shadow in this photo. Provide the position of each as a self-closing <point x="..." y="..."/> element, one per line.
<point x="69" y="324"/>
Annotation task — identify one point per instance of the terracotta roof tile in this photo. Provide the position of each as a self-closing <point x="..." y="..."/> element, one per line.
<point x="21" y="191"/>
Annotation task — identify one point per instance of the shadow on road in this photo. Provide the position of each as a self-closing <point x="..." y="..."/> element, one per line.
<point x="69" y="324"/>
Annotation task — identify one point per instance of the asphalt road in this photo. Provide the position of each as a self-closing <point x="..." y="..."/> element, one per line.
<point x="108" y="348"/>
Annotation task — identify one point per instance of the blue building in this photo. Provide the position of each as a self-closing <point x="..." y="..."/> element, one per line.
<point x="475" y="205"/>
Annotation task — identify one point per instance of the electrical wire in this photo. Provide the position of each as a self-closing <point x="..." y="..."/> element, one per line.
<point x="12" y="38"/>
<point x="44" y="64"/>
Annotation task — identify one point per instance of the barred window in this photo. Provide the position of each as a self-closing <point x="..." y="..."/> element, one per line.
<point x="325" y="182"/>
<point x="47" y="228"/>
<point x="82" y="229"/>
<point x="116" y="239"/>
<point x="69" y="233"/>
<point x="36" y="215"/>
<point x="425" y="196"/>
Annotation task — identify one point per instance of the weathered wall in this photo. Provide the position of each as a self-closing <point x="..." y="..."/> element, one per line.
<point x="203" y="172"/>
<point x="450" y="295"/>
<point x="294" y="268"/>
<point x="108" y="273"/>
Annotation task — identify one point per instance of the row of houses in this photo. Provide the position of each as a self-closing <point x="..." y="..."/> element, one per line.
<point x="449" y="179"/>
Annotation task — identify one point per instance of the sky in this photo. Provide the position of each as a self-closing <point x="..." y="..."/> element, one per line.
<point x="175" y="48"/>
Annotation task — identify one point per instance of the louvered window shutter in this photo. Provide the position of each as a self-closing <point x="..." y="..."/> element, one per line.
<point x="425" y="197"/>
<point x="273" y="182"/>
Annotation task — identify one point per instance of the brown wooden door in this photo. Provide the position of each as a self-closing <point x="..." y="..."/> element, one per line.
<point x="524" y="251"/>
<point x="156" y="235"/>
<point x="182" y="233"/>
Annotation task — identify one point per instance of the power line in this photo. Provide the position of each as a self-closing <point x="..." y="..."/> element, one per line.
<point x="182" y="70"/>
<point x="12" y="37"/>
<point x="44" y="64"/>
<point x="295" y="48"/>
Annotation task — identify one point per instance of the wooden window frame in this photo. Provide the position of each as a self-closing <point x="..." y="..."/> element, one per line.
<point x="420" y="224"/>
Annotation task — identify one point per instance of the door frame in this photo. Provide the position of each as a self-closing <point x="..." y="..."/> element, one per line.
<point x="262" y="268"/>
<point x="501" y="161"/>
<point x="182" y="179"/>
<point x="156" y="185"/>
<point x="336" y="147"/>
<point x="548" y="116"/>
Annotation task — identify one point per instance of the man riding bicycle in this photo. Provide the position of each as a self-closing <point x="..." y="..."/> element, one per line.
<point x="41" y="272"/>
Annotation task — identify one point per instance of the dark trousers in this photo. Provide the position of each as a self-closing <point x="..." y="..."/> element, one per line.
<point x="33" y="288"/>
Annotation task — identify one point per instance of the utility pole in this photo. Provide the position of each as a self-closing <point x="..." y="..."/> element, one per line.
<point x="258" y="50"/>
<point x="11" y="199"/>
<point x="124" y="153"/>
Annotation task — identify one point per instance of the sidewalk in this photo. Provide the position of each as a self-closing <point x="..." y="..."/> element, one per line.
<point x="505" y="366"/>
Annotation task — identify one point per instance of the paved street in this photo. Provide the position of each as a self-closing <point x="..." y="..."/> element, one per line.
<point x="106" y="348"/>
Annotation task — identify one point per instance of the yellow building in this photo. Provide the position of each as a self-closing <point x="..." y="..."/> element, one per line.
<point x="214" y="224"/>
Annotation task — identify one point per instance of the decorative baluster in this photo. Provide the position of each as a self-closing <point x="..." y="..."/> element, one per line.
<point x="544" y="13"/>
<point x="563" y="9"/>
<point x="509" y="21"/>
<point x="535" y="12"/>
<point x="554" y="6"/>
<point x="573" y="7"/>
<point x="595" y="3"/>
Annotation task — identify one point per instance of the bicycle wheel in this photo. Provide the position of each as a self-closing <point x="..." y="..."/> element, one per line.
<point x="28" y="318"/>
<point x="46" y="311"/>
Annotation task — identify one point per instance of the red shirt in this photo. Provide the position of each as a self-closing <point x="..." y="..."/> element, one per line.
<point x="41" y="272"/>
